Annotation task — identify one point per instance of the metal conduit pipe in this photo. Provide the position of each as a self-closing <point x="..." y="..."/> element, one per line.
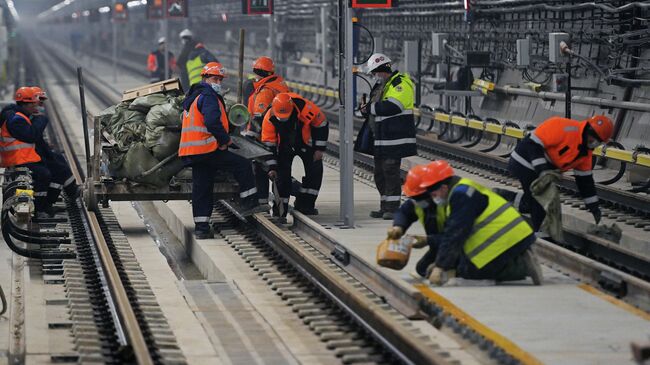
<point x="577" y="99"/>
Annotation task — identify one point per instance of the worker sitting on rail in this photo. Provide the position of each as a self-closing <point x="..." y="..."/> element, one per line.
<point x="156" y="62"/>
<point x="472" y="232"/>
<point x="390" y="116"/>
<point x="23" y="145"/>
<point x="192" y="59"/>
<point x="564" y="144"/>
<point x="204" y="146"/>
<point x="295" y="126"/>
<point x="266" y="87"/>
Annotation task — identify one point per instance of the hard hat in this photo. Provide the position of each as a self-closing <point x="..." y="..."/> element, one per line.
<point x="41" y="94"/>
<point x="437" y="171"/>
<point x="213" y="69"/>
<point x="186" y="33"/>
<point x="265" y="64"/>
<point x="376" y="60"/>
<point x="161" y="40"/>
<point x="282" y="106"/>
<point x="413" y="180"/>
<point x="26" y="94"/>
<point x="393" y="254"/>
<point x="603" y="127"/>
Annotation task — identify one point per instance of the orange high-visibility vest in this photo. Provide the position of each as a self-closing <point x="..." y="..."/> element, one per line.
<point x="195" y="137"/>
<point x="561" y="139"/>
<point x="309" y="116"/>
<point x="265" y="90"/>
<point x="15" y="152"/>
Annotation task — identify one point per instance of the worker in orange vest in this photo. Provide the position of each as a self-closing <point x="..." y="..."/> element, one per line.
<point x="204" y="146"/>
<point x="156" y="62"/>
<point x="22" y="145"/>
<point x="562" y="144"/>
<point x="295" y="127"/>
<point x="267" y="87"/>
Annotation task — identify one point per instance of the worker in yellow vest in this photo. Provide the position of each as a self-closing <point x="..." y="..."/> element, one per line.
<point x="474" y="234"/>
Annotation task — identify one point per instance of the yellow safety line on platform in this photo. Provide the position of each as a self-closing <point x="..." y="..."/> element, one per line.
<point x="617" y="302"/>
<point x="465" y="319"/>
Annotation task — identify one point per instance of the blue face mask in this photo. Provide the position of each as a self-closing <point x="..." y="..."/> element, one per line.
<point x="216" y="88"/>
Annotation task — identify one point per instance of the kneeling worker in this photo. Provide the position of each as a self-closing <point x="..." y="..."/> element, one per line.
<point x="204" y="146"/>
<point x="476" y="233"/>
<point x="296" y="127"/>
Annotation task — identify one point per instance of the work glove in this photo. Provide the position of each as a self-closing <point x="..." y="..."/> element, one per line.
<point x="419" y="241"/>
<point x="395" y="233"/>
<point x="596" y="212"/>
<point x="439" y="277"/>
<point x="273" y="174"/>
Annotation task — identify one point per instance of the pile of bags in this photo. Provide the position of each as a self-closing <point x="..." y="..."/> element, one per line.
<point x="143" y="133"/>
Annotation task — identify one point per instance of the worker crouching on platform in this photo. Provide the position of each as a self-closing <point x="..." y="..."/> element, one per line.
<point x="390" y="116"/>
<point x="295" y="127"/>
<point x="472" y="232"/>
<point x="22" y="144"/>
<point x="563" y="144"/>
<point x="267" y="86"/>
<point x="204" y="146"/>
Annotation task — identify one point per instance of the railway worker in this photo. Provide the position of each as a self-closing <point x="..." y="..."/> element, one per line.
<point x="564" y="144"/>
<point x="294" y="126"/>
<point x="472" y="232"/>
<point x="156" y="62"/>
<point x="266" y="87"/>
<point x="390" y="115"/>
<point x="192" y="58"/>
<point x="204" y="146"/>
<point x="23" y="145"/>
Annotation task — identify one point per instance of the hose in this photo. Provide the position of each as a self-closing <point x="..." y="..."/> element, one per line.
<point x="597" y="160"/>
<point x="497" y="140"/>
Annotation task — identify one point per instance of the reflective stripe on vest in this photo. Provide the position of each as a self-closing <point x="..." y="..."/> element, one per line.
<point x="195" y="137"/>
<point x="498" y="228"/>
<point x="194" y="67"/>
<point x="15" y="152"/>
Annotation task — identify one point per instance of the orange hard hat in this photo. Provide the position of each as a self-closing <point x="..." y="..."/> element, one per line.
<point x="282" y="106"/>
<point x="437" y="171"/>
<point x="41" y="94"/>
<point x="411" y="187"/>
<point x="265" y="64"/>
<point x="603" y="127"/>
<point x="213" y="69"/>
<point x="26" y="94"/>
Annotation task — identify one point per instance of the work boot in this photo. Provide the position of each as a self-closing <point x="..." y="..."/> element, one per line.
<point x="533" y="268"/>
<point x="74" y="192"/>
<point x="251" y="206"/>
<point x="307" y="211"/>
<point x="387" y="216"/>
<point x="377" y="214"/>
<point x="203" y="235"/>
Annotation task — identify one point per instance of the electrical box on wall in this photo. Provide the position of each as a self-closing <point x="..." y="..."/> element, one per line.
<point x="559" y="83"/>
<point x="438" y="44"/>
<point x="411" y="57"/>
<point x="554" y="53"/>
<point x="523" y="52"/>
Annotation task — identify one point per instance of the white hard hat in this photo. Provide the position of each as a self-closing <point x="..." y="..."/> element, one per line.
<point x="161" y="40"/>
<point x="377" y="60"/>
<point x="186" y="33"/>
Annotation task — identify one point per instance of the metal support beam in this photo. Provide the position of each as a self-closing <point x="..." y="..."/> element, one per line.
<point x="166" y="48"/>
<point x="272" y="52"/>
<point x="346" y="123"/>
<point x="114" y="46"/>
<point x="323" y="42"/>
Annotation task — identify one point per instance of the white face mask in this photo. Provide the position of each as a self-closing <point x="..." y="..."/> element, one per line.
<point x="216" y="88"/>
<point x="592" y="145"/>
<point x="440" y="201"/>
<point x="424" y="204"/>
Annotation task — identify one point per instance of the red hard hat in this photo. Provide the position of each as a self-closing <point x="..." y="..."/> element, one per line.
<point x="265" y="64"/>
<point x="603" y="127"/>
<point x="26" y="94"/>
<point x="282" y="106"/>
<point x="437" y="171"/>
<point x="213" y="69"/>
<point x="41" y="94"/>
<point x="411" y="187"/>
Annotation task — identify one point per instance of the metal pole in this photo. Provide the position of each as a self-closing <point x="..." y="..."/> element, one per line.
<point x="567" y="103"/>
<point x="271" y="51"/>
<point x="346" y="145"/>
<point x="165" y="48"/>
<point x="323" y="41"/>
<point x="114" y="46"/>
<point x="84" y="118"/>
<point x="240" y="83"/>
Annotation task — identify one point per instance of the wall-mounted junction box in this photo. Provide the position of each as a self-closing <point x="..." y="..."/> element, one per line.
<point x="523" y="52"/>
<point x="438" y="44"/>
<point x="554" y="53"/>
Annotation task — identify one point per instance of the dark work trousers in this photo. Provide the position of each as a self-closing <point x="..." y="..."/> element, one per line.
<point x="389" y="183"/>
<point x="204" y="169"/>
<point x="261" y="181"/>
<point x="311" y="182"/>
<point x="526" y="176"/>
<point x="49" y="177"/>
